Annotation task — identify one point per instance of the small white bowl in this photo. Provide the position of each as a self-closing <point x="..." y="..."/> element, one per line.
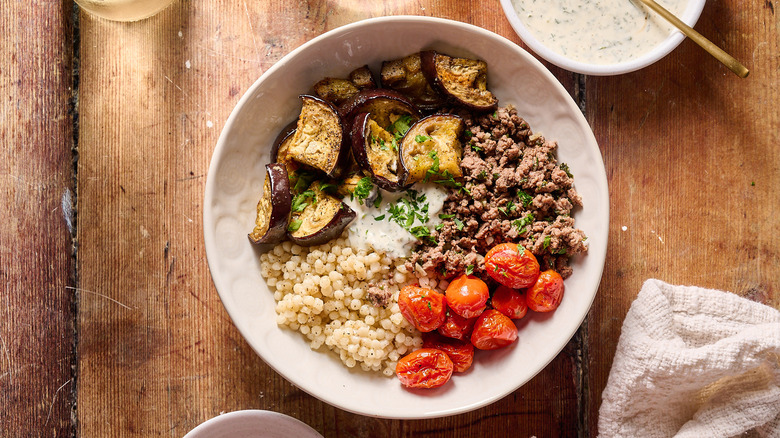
<point x="253" y="424"/>
<point x="689" y="16"/>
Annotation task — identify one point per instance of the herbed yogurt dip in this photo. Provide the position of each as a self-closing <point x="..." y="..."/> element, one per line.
<point x="597" y="31"/>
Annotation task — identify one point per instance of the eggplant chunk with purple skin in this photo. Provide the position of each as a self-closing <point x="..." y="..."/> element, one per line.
<point x="385" y="106"/>
<point x="376" y="150"/>
<point x="317" y="217"/>
<point x="273" y="209"/>
<point x="462" y="80"/>
<point x="431" y="149"/>
<point x="362" y="78"/>
<point x="405" y="76"/>
<point x="280" y="147"/>
<point x="319" y="140"/>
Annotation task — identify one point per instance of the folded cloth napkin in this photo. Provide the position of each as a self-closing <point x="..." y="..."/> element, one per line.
<point x="694" y="362"/>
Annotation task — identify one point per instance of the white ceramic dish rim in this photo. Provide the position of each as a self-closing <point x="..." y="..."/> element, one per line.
<point x="232" y="423"/>
<point x="413" y="413"/>
<point x="690" y="16"/>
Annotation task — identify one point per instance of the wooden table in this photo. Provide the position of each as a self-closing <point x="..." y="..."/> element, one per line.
<point x="109" y="323"/>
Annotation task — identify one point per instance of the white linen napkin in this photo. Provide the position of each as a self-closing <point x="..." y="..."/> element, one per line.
<point x="694" y="362"/>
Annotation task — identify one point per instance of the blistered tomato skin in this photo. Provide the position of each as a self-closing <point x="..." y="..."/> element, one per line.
<point x="493" y="330"/>
<point x="510" y="302"/>
<point x="512" y="265"/>
<point x="424" y="368"/>
<point x="461" y="353"/>
<point x="423" y="308"/>
<point x="467" y="296"/>
<point x="546" y="294"/>
<point x="456" y="326"/>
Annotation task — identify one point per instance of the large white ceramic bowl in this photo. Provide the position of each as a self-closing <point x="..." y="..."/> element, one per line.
<point x="235" y="182"/>
<point x="689" y="16"/>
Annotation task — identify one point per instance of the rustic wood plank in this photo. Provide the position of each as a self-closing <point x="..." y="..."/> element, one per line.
<point x="157" y="352"/>
<point x="692" y="159"/>
<point x="36" y="194"/>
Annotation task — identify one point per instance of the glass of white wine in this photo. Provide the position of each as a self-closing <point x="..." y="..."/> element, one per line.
<point x="124" y="10"/>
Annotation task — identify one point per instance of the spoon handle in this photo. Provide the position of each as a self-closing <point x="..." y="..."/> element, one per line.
<point x="727" y="60"/>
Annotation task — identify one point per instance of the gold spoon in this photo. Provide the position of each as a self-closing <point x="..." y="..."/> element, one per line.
<point x="727" y="60"/>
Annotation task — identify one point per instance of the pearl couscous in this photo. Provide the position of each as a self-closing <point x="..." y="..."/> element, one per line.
<point x="322" y="292"/>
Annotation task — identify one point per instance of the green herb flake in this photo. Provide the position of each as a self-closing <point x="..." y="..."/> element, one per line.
<point x="458" y="224"/>
<point x="379" y="218"/>
<point x="295" y="224"/>
<point x="400" y="126"/>
<point x="422" y="139"/>
<point x="565" y="167"/>
<point x="363" y="189"/>
<point x="446" y="216"/>
<point x="546" y="243"/>
<point x="469" y="269"/>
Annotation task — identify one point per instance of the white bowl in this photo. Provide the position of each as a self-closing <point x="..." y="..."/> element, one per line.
<point x="235" y="182"/>
<point x="253" y="424"/>
<point x="689" y="16"/>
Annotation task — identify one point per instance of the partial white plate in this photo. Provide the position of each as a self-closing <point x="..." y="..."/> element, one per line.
<point x="253" y="424"/>
<point x="235" y="182"/>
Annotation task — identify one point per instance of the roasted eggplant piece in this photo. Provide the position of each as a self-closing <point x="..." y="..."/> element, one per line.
<point x="385" y="106"/>
<point x="273" y="209"/>
<point x="462" y="80"/>
<point x="431" y="149"/>
<point x="362" y="78"/>
<point x="405" y="76"/>
<point x="318" y="217"/>
<point x="320" y="140"/>
<point x="281" y="146"/>
<point x="334" y="90"/>
<point x="376" y="150"/>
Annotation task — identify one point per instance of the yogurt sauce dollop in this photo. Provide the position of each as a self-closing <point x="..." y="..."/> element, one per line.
<point x="597" y="31"/>
<point x="374" y="226"/>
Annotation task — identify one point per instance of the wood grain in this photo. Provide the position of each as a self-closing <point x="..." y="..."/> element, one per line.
<point x="692" y="159"/>
<point x="36" y="194"/>
<point x="157" y="352"/>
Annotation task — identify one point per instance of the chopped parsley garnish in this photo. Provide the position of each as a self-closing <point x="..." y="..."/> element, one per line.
<point x="474" y="147"/>
<point x="329" y="188"/>
<point x="421" y="138"/>
<point x="458" y="224"/>
<point x="546" y="243"/>
<point x="400" y="126"/>
<point x="565" y="167"/>
<point x="508" y="209"/>
<point x="378" y="200"/>
<point x="469" y="269"/>
<point x="522" y="224"/>
<point x="411" y="209"/>
<point x="525" y="198"/>
<point x="520" y="248"/>
<point x="301" y="180"/>
<point x="379" y="218"/>
<point x="301" y="201"/>
<point x="295" y="224"/>
<point x="482" y="175"/>
<point x="362" y="189"/>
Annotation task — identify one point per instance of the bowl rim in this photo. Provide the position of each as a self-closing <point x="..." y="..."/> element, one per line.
<point x="209" y="220"/>
<point x="690" y="16"/>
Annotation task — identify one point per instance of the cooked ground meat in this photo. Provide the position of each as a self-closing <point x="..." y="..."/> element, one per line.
<point x="514" y="190"/>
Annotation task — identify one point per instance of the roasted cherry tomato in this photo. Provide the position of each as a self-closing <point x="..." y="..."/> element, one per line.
<point x="493" y="330"/>
<point x="423" y="308"/>
<point x="510" y="302"/>
<point x="461" y="353"/>
<point x="512" y="265"/>
<point x="467" y="296"/>
<point x="424" y="368"/>
<point x="546" y="294"/>
<point x="456" y="326"/>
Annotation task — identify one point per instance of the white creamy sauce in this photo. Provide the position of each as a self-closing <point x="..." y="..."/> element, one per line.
<point x="374" y="226"/>
<point x="597" y="31"/>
